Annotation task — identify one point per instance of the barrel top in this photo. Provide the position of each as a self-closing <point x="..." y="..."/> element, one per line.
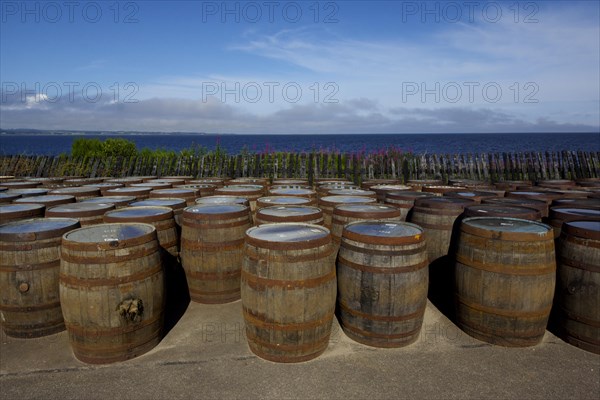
<point x="516" y="201"/>
<point x="443" y="202"/>
<point x="160" y="201"/>
<point x="82" y="207"/>
<point x="101" y="185"/>
<point x="483" y="209"/>
<point x="225" y="208"/>
<point x="474" y="193"/>
<point x="583" y="212"/>
<point x="283" y="200"/>
<point x="296" y="191"/>
<point x="365" y="208"/>
<point x="45" y="198"/>
<point x="584" y="229"/>
<point x="38" y="226"/>
<point x="28" y="191"/>
<point x="384" y="229"/>
<point x="139" y="212"/>
<point x="76" y="189"/>
<point x="130" y="189"/>
<point x="351" y="192"/>
<point x="9" y="195"/>
<point x="196" y="186"/>
<point x="222" y="200"/>
<point x="19" y="207"/>
<point x="347" y="199"/>
<point x="288" y="233"/>
<point x="107" y="233"/>
<point x="175" y="191"/>
<point x="240" y="188"/>
<point x="390" y="188"/>
<point x="511" y="225"/>
<point x="285" y="211"/>
<point x="408" y="195"/>
<point x="109" y="199"/>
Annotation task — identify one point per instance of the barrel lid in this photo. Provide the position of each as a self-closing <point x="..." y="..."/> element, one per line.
<point x="575" y="213"/>
<point x="383" y="232"/>
<point x="9" y="196"/>
<point x="471" y="194"/>
<point x="80" y="209"/>
<point x="283" y="200"/>
<point x="390" y="188"/>
<point x="152" y="185"/>
<point x="207" y="180"/>
<point x="109" y="236"/>
<point x="36" y="228"/>
<point x="292" y="191"/>
<point x="131" y="179"/>
<point x="109" y="199"/>
<point x="407" y="195"/>
<point x="222" y="200"/>
<point x="507" y="228"/>
<point x="160" y="201"/>
<point x="499" y="210"/>
<point x="28" y="191"/>
<point x="290" y="182"/>
<point x="46" y="198"/>
<point x="289" y="211"/>
<point x="575" y="202"/>
<point x="240" y="189"/>
<point x="16" y="208"/>
<point x="102" y="185"/>
<point x="130" y="189"/>
<point x="208" y="210"/>
<point x="139" y="214"/>
<point x="290" y="235"/>
<point x="443" y="202"/>
<point x="21" y="184"/>
<point x="346" y="199"/>
<point x="583" y="229"/>
<point x="196" y="186"/>
<point x="374" y="211"/>
<point x="174" y="192"/>
<point x="351" y="192"/>
<point x="76" y="189"/>
<point x="538" y="204"/>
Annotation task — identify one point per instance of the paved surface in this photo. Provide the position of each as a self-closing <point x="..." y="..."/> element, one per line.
<point x="206" y="356"/>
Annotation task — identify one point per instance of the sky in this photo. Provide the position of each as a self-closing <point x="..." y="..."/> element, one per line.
<point x="301" y="67"/>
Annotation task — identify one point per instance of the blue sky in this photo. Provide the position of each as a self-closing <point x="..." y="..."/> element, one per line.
<point x="301" y="67"/>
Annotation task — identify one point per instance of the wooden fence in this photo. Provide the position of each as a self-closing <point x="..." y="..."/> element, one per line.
<point x="492" y="167"/>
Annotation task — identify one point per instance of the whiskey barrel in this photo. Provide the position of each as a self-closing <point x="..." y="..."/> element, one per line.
<point x="218" y="182"/>
<point x="405" y="200"/>
<point x="17" y="212"/>
<point x="294" y="192"/>
<point x="140" y="193"/>
<point x="439" y="190"/>
<point x="212" y="241"/>
<point x="288" y="290"/>
<point x="250" y="192"/>
<point x="29" y="269"/>
<point x="417" y="184"/>
<point x="104" y="186"/>
<point x="578" y="284"/>
<point x="202" y="189"/>
<point x="86" y="213"/>
<point x="289" y="213"/>
<point x="215" y="199"/>
<point x="346" y="213"/>
<point x="352" y="192"/>
<point x="382" y="282"/>
<point x="560" y="215"/>
<point x="476" y="196"/>
<point x="286" y="181"/>
<point x="541" y="206"/>
<point x="498" y="210"/>
<point x="324" y="189"/>
<point x="80" y="192"/>
<point x="118" y="201"/>
<point x="437" y="216"/>
<point x="126" y="181"/>
<point x="382" y="190"/>
<point x="47" y="200"/>
<point x="505" y="277"/>
<point x="368" y="184"/>
<point x="153" y="185"/>
<point x="21" y="184"/>
<point x="112" y="291"/>
<point x="162" y="218"/>
<point x="189" y="195"/>
<point x="328" y="203"/>
<point x="283" y="201"/>
<point x="593" y="204"/>
<point x="27" y="192"/>
<point x="7" y="197"/>
<point x="177" y="205"/>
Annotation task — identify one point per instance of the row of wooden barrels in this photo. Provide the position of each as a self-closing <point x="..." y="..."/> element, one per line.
<point x="315" y="249"/>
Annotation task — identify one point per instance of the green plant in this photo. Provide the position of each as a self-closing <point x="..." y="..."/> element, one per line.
<point x="118" y="147"/>
<point x="83" y="147"/>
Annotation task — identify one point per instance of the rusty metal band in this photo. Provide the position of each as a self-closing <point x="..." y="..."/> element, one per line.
<point x="447" y="212"/>
<point x="381" y="270"/>
<point x="256" y="282"/>
<point x="188" y="244"/>
<point x="575" y="264"/>
<point x="507" y="269"/>
<point x="88" y="332"/>
<point x="583" y="340"/>
<point x="108" y="258"/>
<point x="388" y="318"/>
<point x="36" y="236"/>
<point x="375" y="335"/>
<point x="70" y="213"/>
<point x="500" y="335"/>
<point x="98" y="355"/>
<point x="30" y="267"/>
<point x="381" y="240"/>
<point x="73" y="281"/>
<point x="225" y="225"/>
<point x="582" y="241"/>
<point x="303" y="245"/>
<point x="376" y="252"/>
<point x="214" y="276"/>
<point x="168" y="245"/>
<point x="510" y="236"/>
<point x="27" y="246"/>
<point x="322" y="255"/>
<point x="543" y="313"/>
<point x="260" y="323"/>
<point x="33" y="307"/>
<point x="287" y="347"/>
<point x="579" y="318"/>
<point x="582" y="233"/>
<point x="110" y="245"/>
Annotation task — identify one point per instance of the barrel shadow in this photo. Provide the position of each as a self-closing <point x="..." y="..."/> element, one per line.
<point x="177" y="294"/>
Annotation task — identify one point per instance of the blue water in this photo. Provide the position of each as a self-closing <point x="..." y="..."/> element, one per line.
<point x="42" y="144"/>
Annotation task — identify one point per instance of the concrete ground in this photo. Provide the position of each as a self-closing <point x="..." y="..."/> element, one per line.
<point x="206" y="356"/>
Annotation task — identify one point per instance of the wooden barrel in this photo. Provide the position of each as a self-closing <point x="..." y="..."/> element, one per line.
<point x="186" y="178"/>
<point x="250" y="192"/>
<point x="29" y="269"/>
<point x="47" y="181"/>
<point x="505" y="277"/>
<point x="578" y="284"/>
<point x="328" y="203"/>
<point x="278" y="187"/>
<point x="153" y="185"/>
<point x="476" y="196"/>
<point x="346" y="213"/>
<point x="189" y="195"/>
<point x="498" y="210"/>
<point x="160" y="217"/>
<point x="218" y="182"/>
<point x="352" y="192"/>
<point x="140" y="193"/>
<point x="286" y="181"/>
<point x="48" y="200"/>
<point x="169" y="181"/>
<point x="593" y="204"/>
<point x="437" y="216"/>
<point x="541" y="206"/>
<point x="7" y="197"/>
<point x="112" y="291"/>
<point x="118" y="201"/>
<point x="104" y="186"/>
<point x="126" y="181"/>
<point x="177" y="205"/>
<point x="202" y="189"/>
<point x="288" y="290"/>
<point x="80" y="192"/>
<point x="545" y="196"/>
<point x="294" y="192"/>
<point x="382" y="282"/>
<point x="405" y="200"/>
<point x="212" y="244"/>
<point x="82" y="181"/>
<point x="283" y="201"/>
<point x="86" y="213"/>
<point x="264" y="182"/>
<point x="512" y="184"/>
<point x="368" y="184"/>
<point x="439" y="190"/>
<point x="381" y="191"/>
<point x="21" y="184"/>
<point x="324" y="189"/>
<point x="17" y="212"/>
<point x="290" y="213"/>
<point x="561" y="184"/>
<point x="28" y="192"/>
<point x="560" y="215"/>
<point x="215" y="199"/>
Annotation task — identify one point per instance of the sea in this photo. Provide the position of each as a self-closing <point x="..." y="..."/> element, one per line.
<point x="56" y="144"/>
